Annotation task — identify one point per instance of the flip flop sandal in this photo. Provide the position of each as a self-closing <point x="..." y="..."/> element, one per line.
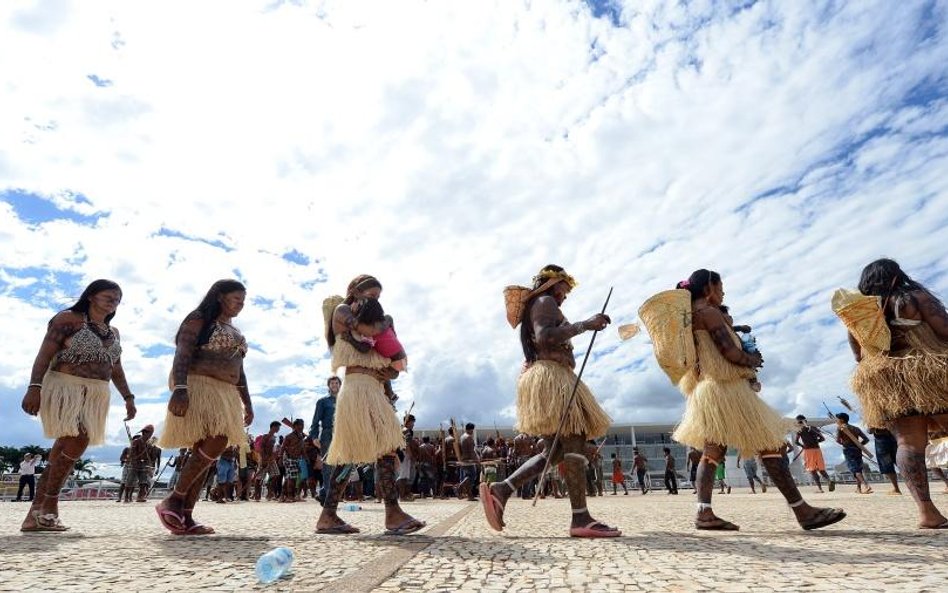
<point x="493" y="508"/>
<point x="716" y="524"/>
<point x="589" y="532"/>
<point x="824" y="517"/>
<point x="340" y="529"/>
<point x="407" y="527"/>
<point x="45" y="523"/>
<point x="163" y="515"/>
<point x="198" y="529"/>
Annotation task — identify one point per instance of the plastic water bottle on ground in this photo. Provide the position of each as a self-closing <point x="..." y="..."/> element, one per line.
<point x="352" y="507"/>
<point x="274" y="564"/>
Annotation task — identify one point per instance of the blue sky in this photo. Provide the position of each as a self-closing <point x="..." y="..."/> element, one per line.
<point x="785" y="145"/>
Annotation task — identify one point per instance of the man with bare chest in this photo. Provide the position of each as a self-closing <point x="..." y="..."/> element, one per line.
<point x="142" y="462"/>
<point x="292" y="452"/>
<point x="426" y="467"/>
<point x="523" y="450"/>
<point x="552" y="400"/>
<point x="268" y="473"/>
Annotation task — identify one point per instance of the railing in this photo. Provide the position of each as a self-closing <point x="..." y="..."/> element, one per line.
<point x="72" y="490"/>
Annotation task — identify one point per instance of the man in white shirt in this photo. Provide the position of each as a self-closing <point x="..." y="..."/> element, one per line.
<point x="28" y="475"/>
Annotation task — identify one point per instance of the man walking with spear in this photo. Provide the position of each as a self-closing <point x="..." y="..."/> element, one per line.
<point x="552" y="401"/>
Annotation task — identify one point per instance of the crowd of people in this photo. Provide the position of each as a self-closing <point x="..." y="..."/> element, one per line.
<point x="356" y="445"/>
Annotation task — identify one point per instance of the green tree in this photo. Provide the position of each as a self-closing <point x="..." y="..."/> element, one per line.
<point x="84" y="467"/>
<point x="10" y="458"/>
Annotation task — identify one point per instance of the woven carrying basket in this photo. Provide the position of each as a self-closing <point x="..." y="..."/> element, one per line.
<point x="667" y="318"/>
<point x="515" y="300"/>
<point x="864" y="319"/>
<point x="329" y="307"/>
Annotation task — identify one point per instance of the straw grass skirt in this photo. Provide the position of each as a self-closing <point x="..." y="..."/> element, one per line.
<point x="214" y="409"/>
<point x="542" y="394"/>
<point x="730" y="413"/>
<point x="936" y="453"/>
<point x="70" y="406"/>
<point x="908" y="383"/>
<point x="365" y="426"/>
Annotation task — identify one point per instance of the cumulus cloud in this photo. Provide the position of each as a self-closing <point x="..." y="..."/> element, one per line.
<point x="452" y="149"/>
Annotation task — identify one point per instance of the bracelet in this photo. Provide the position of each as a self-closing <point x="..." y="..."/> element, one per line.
<point x="130" y="397"/>
<point x="36" y="384"/>
<point x="177" y="387"/>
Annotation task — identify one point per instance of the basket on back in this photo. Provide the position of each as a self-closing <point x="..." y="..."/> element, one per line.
<point x="864" y="318"/>
<point x="515" y="300"/>
<point x="329" y="307"/>
<point x="667" y="318"/>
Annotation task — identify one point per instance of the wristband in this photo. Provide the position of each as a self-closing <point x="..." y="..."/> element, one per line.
<point x="36" y="384"/>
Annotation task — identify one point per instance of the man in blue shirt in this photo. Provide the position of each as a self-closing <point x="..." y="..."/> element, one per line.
<point x="321" y="427"/>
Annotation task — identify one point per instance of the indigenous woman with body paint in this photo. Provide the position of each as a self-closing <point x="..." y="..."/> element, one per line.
<point x="210" y="401"/>
<point x="724" y="410"/>
<point x="906" y="388"/>
<point x="366" y="429"/>
<point x="69" y="389"/>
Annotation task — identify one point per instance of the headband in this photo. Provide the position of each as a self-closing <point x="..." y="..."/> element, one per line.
<point x="548" y="278"/>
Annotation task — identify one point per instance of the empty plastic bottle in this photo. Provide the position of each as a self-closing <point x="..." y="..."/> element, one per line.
<point x="274" y="564"/>
<point x="351" y="507"/>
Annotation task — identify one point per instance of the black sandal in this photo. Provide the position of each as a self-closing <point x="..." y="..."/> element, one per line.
<point x="715" y="524"/>
<point x="823" y="517"/>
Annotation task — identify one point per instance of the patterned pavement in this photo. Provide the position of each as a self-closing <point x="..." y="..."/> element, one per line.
<point x="119" y="547"/>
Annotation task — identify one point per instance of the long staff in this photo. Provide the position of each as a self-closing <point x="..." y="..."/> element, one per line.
<point x="848" y="433"/>
<point x="572" y="397"/>
<point x="158" y="477"/>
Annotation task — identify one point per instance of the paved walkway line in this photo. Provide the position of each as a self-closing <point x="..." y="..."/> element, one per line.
<point x="370" y="577"/>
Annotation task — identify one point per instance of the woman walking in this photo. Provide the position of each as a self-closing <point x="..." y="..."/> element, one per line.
<point x="366" y="429"/>
<point x="69" y="389"/>
<point x="905" y="388"/>
<point x="210" y="401"/>
<point x="723" y="409"/>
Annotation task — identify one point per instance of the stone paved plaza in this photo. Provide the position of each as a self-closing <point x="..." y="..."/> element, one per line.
<point x="114" y="547"/>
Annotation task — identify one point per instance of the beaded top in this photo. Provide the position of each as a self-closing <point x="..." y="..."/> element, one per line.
<point x="227" y="339"/>
<point x="87" y="347"/>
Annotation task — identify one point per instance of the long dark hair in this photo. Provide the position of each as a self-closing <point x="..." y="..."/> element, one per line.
<point x="370" y="311"/>
<point x="97" y="286"/>
<point x="698" y="281"/>
<point x="885" y="278"/>
<point x="526" y="324"/>
<point x="210" y="308"/>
